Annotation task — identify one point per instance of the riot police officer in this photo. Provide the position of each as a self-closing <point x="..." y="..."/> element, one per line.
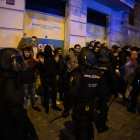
<point x="83" y="85"/>
<point x="110" y="80"/>
<point x="12" y="114"/>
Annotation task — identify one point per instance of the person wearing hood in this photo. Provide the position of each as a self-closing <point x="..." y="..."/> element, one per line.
<point x="48" y="72"/>
<point x="13" y="117"/>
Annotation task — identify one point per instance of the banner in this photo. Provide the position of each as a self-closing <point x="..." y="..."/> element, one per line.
<point x="48" y="29"/>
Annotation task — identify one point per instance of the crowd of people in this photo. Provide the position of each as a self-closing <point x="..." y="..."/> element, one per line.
<point x="85" y="77"/>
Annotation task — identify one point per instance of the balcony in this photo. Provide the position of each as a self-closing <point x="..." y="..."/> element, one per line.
<point x="118" y="5"/>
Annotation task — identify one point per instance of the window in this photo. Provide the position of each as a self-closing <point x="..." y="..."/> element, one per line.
<point x="96" y="17"/>
<point x="55" y="7"/>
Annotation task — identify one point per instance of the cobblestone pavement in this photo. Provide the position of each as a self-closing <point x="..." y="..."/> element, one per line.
<point x="122" y="124"/>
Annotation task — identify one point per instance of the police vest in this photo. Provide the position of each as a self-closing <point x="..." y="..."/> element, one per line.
<point x="90" y="81"/>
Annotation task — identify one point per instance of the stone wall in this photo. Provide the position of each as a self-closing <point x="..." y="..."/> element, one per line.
<point x="11" y="23"/>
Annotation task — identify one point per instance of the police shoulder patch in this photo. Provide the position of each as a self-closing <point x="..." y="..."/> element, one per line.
<point x="71" y="78"/>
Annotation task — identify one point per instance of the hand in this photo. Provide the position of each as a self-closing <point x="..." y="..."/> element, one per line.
<point x="41" y="59"/>
<point x="52" y="47"/>
<point x="43" y="48"/>
<point x="57" y="77"/>
<point x="37" y="60"/>
<point x="24" y="35"/>
<point x="65" y="114"/>
<point x="56" y="58"/>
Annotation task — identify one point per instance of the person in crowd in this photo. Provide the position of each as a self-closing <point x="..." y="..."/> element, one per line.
<point x="125" y="55"/>
<point x="119" y="51"/>
<point x="134" y="48"/>
<point x="12" y="114"/>
<point x="104" y="45"/>
<point x="84" y="48"/>
<point x="28" y="77"/>
<point x="61" y="74"/>
<point x="138" y="59"/>
<point x="71" y="50"/>
<point x="130" y="68"/>
<point x="90" y="47"/>
<point x="34" y="49"/>
<point x="48" y="72"/>
<point x="83" y="90"/>
<point x="97" y="44"/>
<point x="72" y="62"/>
<point x="130" y="46"/>
<point x="114" y="59"/>
<point x="135" y="91"/>
<point x="92" y="43"/>
<point x="108" y="87"/>
<point x="95" y="50"/>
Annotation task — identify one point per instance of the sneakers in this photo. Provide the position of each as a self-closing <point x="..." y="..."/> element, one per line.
<point x="132" y="110"/>
<point x="56" y="108"/>
<point x="37" y="109"/>
<point x="102" y="129"/>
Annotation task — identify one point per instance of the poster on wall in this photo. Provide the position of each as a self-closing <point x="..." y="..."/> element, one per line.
<point x="95" y="33"/>
<point x="48" y="29"/>
<point x="10" y="2"/>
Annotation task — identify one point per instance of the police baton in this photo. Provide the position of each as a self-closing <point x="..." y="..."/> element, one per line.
<point x="111" y="101"/>
<point x="56" y="119"/>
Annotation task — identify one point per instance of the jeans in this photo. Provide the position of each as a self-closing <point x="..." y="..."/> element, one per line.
<point x="29" y="87"/>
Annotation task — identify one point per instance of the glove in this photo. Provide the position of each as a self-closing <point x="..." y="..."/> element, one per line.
<point x="65" y="114"/>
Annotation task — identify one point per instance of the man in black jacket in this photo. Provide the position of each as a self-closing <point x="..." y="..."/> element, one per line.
<point x="110" y="82"/>
<point x="123" y="59"/>
<point x="114" y="58"/>
<point x="82" y="93"/>
<point x="12" y="114"/>
<point x="48" y="70"/>
<point x="61" y="74"/>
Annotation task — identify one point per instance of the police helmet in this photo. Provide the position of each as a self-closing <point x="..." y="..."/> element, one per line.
<point x="103" y="54"/>
<point x="10" y="58"/>
<point x="86" y="57"/>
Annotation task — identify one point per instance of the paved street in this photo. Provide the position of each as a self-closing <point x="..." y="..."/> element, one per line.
<point x="122" y="124"/>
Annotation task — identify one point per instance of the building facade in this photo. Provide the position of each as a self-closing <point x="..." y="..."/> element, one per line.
<point x="115" y="22"/>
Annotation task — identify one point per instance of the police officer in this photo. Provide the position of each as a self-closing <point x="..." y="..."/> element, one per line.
<point x="83" y="88"/>
<point x="110" y="80"/>
<point x="12" y="114"/>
